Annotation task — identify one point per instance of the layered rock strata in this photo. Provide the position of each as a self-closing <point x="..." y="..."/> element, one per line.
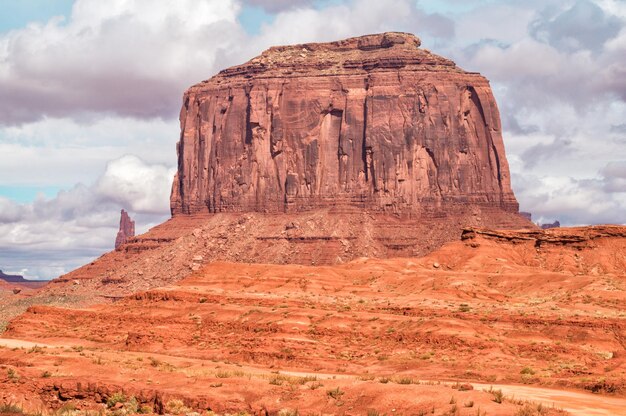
<point x="374" y="122"/>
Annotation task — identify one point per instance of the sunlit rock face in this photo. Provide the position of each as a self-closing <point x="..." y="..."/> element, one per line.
<point x="373" y="122"/>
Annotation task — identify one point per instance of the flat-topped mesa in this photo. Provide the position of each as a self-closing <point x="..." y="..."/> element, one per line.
<point x="374" y="122"/>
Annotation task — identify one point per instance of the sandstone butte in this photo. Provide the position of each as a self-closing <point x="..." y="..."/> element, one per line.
<point x="322" y="153"/>
<point x="374" y="122"/>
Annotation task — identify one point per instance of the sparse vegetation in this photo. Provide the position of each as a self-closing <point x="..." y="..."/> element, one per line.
<point x="36" y="349"/>
<point x="530" y="409"/>
<point x="121" y="405"/>
<point x="405" y="380"/>
<point x="335" y="393"/>
<point x="176" y="407"/>
<point x="12" y="374"/>
<point x="11" y="409"/>
<point x="464" y="307"/>
<point x="498" y="396"/>
<point x="288" y="412"/>
<point x="115" y="398"/>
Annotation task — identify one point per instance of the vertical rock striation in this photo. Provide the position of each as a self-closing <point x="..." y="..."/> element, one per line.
<point x="374" y="122"/>
<point x="126" y="231"/>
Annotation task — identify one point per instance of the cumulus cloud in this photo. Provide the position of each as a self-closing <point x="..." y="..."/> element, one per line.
<point x="559" y="76"/>
<point x="614" y="176"/>
<point x="131" y="183"/>
<point x="569" y="200"/>
<point x="62" y="151"/>
<point x="80" y="223"/>
<point x="352" y="18"/>
<point x="583" y="26"/>
<point x="132" y="58"/>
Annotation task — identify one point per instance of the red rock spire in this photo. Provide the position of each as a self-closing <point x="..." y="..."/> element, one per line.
<point x="127" y="229"/>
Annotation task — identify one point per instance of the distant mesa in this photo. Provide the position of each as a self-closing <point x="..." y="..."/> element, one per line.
<point x="555" y="224"/>
<point x="8" y="280"/>
<point x="126" y="231"/>
<point x="12" y="278"/>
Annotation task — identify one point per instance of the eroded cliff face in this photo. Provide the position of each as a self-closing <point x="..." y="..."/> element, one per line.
<point x="374" y="122"/>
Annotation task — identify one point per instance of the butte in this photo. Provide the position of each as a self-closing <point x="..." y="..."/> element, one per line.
<point x="321" y="153"/>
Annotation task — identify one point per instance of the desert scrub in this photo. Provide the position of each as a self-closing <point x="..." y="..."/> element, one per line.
<point x="12" y="374"/>
<point x="176" y="407"/>
<point x="335" y="393"/>
<point x="115" y="398"/>
<point x="498" y="396"/>
<point x="277" y="380"/>
<point x="464" y="307"/>
<point x="11" y="409"/>
<point x="121" y="405"/>
<point x="531" y="410"/>
<point x="288" y="412"/>
<point x="404" y="380"/>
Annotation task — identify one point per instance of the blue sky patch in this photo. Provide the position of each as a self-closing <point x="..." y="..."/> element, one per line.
<point x="26" y="194"/>
<point x="15" y="14"/>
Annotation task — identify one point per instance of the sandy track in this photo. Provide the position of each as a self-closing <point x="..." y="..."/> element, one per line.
<point x="575" y="402"/>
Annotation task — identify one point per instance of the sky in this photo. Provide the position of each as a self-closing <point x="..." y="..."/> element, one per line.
<point x="90" y="93"/>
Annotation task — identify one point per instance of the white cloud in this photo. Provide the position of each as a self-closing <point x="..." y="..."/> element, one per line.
<point x="571" y="201"/>
<point x="62" y="152"/>
<point x="353" y="18"/>
<point x="275" y="6"/>
<point x="79" y="224"/>
<point x="132" y="183"/>
<point x="10" y="212"/>
<point x="561" y="88"/>
<point x="131" y="58"/>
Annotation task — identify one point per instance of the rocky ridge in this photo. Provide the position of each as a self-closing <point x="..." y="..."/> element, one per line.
<point x="12" y="278"/>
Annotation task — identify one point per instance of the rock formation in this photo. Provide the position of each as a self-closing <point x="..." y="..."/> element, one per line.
<point x="126" y="231"/>
<point x="374" y="122"/>
<point x="555" y="224"/>
<point x="13" y="278"/>
<point x="320" y="154"/>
